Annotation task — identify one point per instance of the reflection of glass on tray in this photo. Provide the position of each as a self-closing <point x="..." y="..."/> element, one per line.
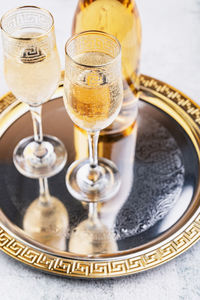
<point x="91" y="236"/>
<point x="46" y="219"/>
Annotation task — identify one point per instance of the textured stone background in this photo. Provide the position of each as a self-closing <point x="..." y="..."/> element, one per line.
<point x="171" y="52"/>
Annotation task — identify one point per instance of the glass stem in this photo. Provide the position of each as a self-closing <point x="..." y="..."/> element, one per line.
<point x="44" y="191"/>
<point x="92" y="213"/>
<point x="93" y="148"/>
<point x="36" y="112"/>
<point x="40" y="150"/>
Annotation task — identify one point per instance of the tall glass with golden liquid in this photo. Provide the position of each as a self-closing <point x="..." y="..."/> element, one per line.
<point x="121" y="19"/>
<point x="93" y="94"/>
<point x="32" y="72"/>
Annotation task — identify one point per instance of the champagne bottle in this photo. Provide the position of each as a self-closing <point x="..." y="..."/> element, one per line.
<point x="120" y="18"/>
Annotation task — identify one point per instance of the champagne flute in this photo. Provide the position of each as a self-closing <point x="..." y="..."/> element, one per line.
<point x="32" y="72"/>
<point x="93" y="95"/>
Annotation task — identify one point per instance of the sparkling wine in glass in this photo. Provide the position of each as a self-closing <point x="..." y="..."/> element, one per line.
<point x="32" y="72"/>
<point x="120" y="18"/>
<point x="93" y="94"/>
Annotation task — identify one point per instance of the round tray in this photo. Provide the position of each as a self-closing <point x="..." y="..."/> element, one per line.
<point x="155" y="215"/>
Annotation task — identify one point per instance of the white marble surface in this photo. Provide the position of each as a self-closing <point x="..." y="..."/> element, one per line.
<point x="171" y="52"/>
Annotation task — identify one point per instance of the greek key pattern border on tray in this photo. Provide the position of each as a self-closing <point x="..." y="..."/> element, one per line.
<point x="192" y="109"/>
<point x="94" y="269"/>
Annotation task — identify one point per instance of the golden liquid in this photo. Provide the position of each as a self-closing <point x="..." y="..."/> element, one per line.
<point x="121" y="19"/>
<point x="92" y="101"/>
<point x="32" y="79"/>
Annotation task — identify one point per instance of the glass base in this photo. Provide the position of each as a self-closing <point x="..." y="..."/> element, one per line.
<point x="36" y="160"/>
<point x="93" y="185"/>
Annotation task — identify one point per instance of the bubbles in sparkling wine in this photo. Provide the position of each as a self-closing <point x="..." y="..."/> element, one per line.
<point x="93" y="96"/>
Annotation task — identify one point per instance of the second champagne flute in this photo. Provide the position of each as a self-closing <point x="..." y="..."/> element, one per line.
<point x="32" y="72"/>
<point x="93" y="95"/>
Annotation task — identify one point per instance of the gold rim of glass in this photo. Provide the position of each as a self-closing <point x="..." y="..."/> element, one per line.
<point x="27" y="38"/>
<point x="93" y="32"/>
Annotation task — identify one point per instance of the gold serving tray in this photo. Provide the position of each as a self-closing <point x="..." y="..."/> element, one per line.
<point x="155" y="216"/>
